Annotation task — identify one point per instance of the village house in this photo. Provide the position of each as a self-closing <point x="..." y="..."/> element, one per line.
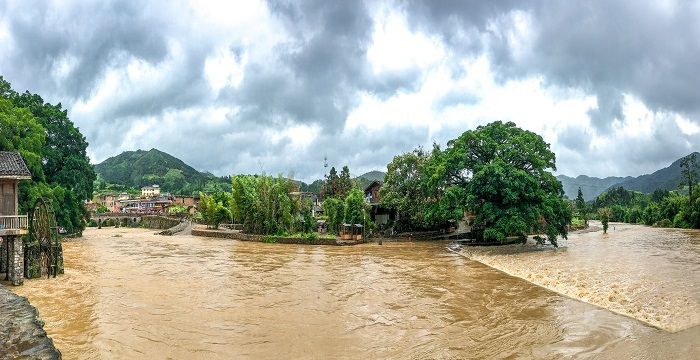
<point x="380" y="215"/>
<point x="188" y="202"/>
<point x="110" y="201"/>
<point x="185" y="201"/>
<point x="150" y="191"/>
<point x="12" y="225"/>
<point x="151" y="206"/>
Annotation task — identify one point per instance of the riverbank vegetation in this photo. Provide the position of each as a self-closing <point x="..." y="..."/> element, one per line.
<point x="679" y="208"/>
<point x="498" y="173"/>
<point x="54" y="151"/>
<point x="660" y="209"/>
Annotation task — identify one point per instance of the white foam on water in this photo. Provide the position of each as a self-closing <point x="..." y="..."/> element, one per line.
<point x="652" y="275"/>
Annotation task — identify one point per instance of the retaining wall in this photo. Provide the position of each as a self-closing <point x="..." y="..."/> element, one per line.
<point x="260" y="238"/>
<point x="158" y="222"/>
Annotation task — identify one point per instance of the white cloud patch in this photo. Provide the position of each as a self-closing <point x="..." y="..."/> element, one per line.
<point x="274" y="86"/>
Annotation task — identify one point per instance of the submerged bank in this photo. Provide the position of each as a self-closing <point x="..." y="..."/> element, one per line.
<point x="21" y="331"/>
<point x="648" y="274"/>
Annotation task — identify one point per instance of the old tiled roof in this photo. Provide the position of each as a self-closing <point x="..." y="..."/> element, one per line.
<point x="12" y="165"/>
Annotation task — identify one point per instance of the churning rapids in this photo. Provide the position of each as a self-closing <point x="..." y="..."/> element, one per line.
<point x="130" y="294"/>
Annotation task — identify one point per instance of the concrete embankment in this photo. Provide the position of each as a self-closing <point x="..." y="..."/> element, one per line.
<point x="224" y="234"/>
<point x="21" y="331"/>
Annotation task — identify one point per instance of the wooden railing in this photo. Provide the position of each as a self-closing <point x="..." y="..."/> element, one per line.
<point x="8" y="222"/>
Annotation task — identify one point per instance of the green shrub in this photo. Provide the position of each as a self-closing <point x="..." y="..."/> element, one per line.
<point x="679" y="221"/>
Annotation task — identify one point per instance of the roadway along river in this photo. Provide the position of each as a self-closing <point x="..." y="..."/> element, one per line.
<point x="130" y="294"/>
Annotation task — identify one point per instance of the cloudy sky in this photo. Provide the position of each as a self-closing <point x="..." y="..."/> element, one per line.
<point x="240" y="87"/>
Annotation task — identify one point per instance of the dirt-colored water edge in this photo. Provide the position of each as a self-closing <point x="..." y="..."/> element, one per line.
<point x="648" y="274"/>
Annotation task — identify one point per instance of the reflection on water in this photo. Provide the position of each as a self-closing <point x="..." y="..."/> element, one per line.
<point x="649" y="274"/>
<point x="142" y="295"/>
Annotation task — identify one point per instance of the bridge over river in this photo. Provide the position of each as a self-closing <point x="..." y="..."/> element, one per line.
<point x="133" y="220"/>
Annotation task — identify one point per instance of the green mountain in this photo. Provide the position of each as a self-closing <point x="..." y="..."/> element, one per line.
<point x="140" y="168"/>
<point x="591" y="187"/>
<point x="667" y="178"/>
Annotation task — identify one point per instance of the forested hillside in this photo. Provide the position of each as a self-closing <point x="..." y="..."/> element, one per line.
<point x="667" y="179"/>
<point x="140" y="168"/>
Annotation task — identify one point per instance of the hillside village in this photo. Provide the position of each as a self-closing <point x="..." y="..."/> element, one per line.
<point x="151" y="201"/>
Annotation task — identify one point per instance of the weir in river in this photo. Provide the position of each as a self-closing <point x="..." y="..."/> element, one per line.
<point x="127" y="293"/>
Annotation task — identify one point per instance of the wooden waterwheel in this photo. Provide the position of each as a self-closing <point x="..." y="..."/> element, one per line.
<point x="44" y="232"/>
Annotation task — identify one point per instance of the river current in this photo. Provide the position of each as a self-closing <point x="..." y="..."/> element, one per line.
<point x="130" y="294"/>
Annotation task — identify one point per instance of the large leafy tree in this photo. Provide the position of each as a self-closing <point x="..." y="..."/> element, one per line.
<point x="214" y="211"/>
<point x="263" y="204"/>
<point x="335" y="210"/>
<point x="689" y="172"/>
<point x="403" y="189"/>
<point x="66" y="167"/>
<point x="22" y="133"/>
<point x="330" y="186"/>
<point x="501" y="173"/>
<point x="355" y="207"/>
<point x="581" y="206"/>
<point x="345" y="184"/>
<point x="337" y="186"/>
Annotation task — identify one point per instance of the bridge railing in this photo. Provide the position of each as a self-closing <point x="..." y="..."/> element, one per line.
<point x="14" y="222"/>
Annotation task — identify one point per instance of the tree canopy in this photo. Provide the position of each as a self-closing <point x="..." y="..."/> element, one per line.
<point x="55" y="152"/>
<point x="498" y="172"/>
<point x="404" y="190"/>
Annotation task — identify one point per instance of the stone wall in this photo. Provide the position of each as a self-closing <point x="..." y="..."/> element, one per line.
<point x="175" y="229"/>
<point x="21" y="331"/>
<point x="260" y="238"/>
<point x="15" y="269"/>
<point x="159" y="222"/>
<point x="17" y="255"/>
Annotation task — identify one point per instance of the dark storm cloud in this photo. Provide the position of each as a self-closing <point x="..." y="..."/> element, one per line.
<point x="605" y="47"/>
<point x="96" y="34"/>
<point x="92" y="38"/>
<point x="317" y="73"/>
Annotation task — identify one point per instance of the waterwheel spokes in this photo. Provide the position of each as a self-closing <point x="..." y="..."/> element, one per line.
<point x="44" y="234"/>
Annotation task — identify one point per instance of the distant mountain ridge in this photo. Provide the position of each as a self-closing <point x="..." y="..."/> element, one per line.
<point x="667" y="178"/>
<point x="591" y="187"/>
<point x="139" y="168"/>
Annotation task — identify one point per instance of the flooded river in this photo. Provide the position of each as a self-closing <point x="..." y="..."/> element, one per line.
<point x="650" y="274"/>
<point x="130" y="294"/>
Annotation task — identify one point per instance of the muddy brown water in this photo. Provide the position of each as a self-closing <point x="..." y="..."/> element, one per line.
<point x="649" y="274"/>
<point x="129" y="294"/>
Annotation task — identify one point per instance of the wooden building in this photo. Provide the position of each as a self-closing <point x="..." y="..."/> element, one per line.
<point x="380" y="215"/>
<point x="12" y="225"/>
